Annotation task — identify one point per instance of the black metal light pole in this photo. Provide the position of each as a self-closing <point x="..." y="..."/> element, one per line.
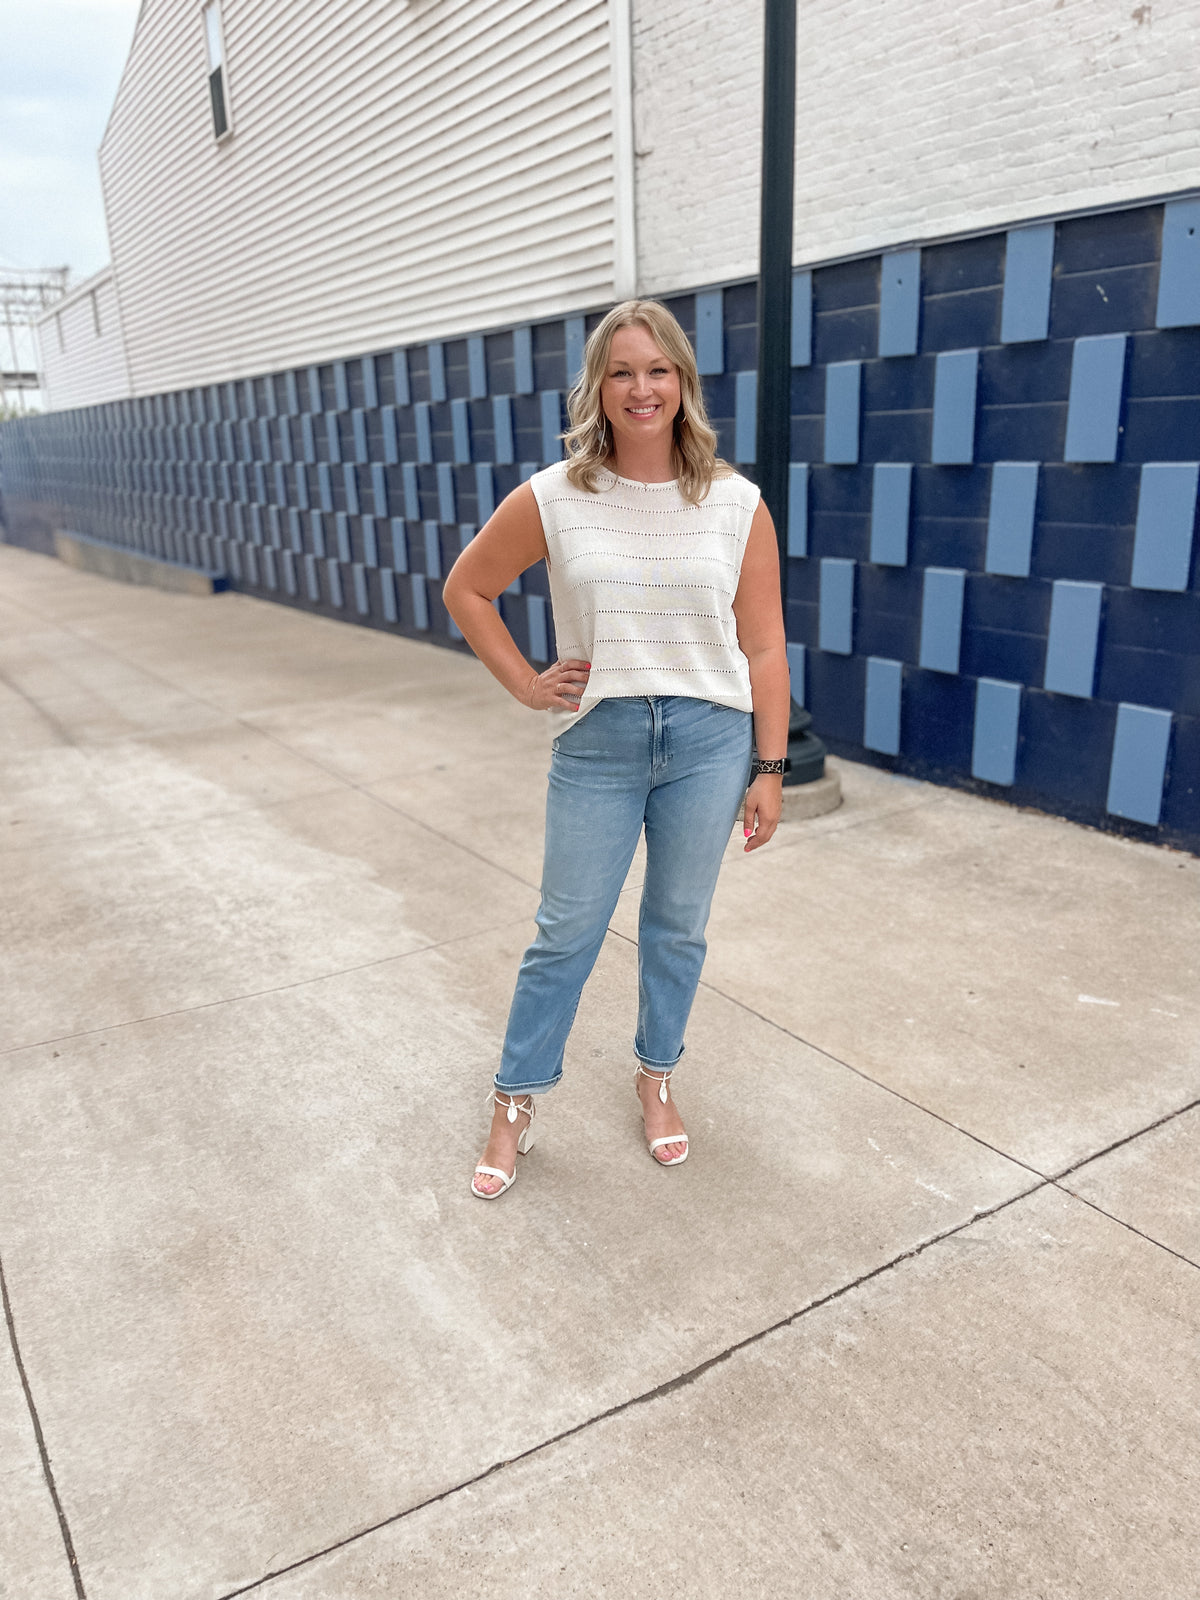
<point x="773" y="433"/>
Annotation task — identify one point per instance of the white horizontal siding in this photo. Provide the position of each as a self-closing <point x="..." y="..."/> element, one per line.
<point x="912" y="120"/>
<point x="80" y="366"/>
<point x="396" y="172"/>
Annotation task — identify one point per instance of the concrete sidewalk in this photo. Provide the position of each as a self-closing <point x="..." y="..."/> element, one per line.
<point x="918" y="1318"/>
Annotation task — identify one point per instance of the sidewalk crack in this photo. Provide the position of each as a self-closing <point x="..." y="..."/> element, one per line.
<point x="43" y="1453"/>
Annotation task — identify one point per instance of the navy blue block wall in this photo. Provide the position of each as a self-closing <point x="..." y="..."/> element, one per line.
<point x="1067" y="353"/>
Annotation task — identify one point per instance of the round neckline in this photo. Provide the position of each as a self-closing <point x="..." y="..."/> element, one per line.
<point x="636" y="483"/>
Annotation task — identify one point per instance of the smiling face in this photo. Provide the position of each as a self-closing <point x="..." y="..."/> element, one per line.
<point x="640" y="391"/>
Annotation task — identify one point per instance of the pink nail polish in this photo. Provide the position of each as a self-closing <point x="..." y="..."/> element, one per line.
<point x="746" y="831"/>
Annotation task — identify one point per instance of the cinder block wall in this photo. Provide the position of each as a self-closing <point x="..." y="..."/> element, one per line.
<point x="995" y="450"/>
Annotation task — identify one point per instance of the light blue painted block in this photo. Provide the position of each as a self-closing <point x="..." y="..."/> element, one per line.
<point x="333" y="437"/>
<point x="1166" y="521"/>
<point x="362" y="600"/>
<point x="941" y="618"/>
<point x="280" y="478"/>
<point x="291" y="394"/>
<point x="881" y="712"/>
<point x="370" y="542"/>
<point x="341" y="386"/>
<point x="836" y="605"/>
<point x="350" y="485"/>
<point x="1094" y="404"/>
<point x="466" y="532"/>
<point x="358" y="420"/>
<point x="796" y="669"/>
<point x="485" y="490"/>
<point x="899" y="302"/>
<point x="314" y="391"/>
<point x="1010" y="518"/>
<point x="295" y="531"/>
<point x="797" y="535"/>
<point x="1028" y="273"/>
<point x="802" y="319"/>
<point x="424" y="429"/>
<point x="843" y="386"/>
<point x="503" y="429"/>
<point x="1179" y="273"/>
<point x="575" y="334"/>
<point x="308" y="438"/>
<point x="370" y="386"/>
<point x="1073" y="638"/>
<point x="399" y="545"/>
<point x="333" y="578"/>
<point x="324" y="486"/>
<point x="1139" y="763"/>
<point x="316" y="533"/>
<point x="391" y="436"/>
<point x="387" y="590"/>
<point x="433" y="551"/>
<point x="522" y="361"/>
<point x="379" y="493"/>
<point x="437" y="370"/>
<point x="311" y="581"/>
<point x="535" y="612"/>
<point x="447" y="511"/>
<point x="342" y="533"/>
<point x="710" y="331"/>
<point x="420" y="601"/>
<point x="476" y="367"/>
<point x="745" y="416"/>
<point x="551" y="409"/>
<point x="526" y="470"/>
<point x="891" y="492"/>
<point x="412" y="492"/>
<point x="400" y="377"/>
<point x="461" y="428"/>
<point x="954" y="383"/>
<point x="997" y="723"/>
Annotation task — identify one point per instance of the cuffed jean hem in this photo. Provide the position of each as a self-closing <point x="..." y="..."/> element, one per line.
<point x="525" y="1088"/>
<point x="658" y="1066"/>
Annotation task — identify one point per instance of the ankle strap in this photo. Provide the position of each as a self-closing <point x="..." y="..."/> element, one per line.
<point x="513" y="1108"/>
<point x="662" y="1079"/>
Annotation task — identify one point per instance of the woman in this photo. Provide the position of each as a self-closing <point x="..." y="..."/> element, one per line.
<point x="664" y="583"/>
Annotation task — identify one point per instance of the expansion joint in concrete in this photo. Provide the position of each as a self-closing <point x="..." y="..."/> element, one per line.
<point x="660" y="1391"/>
<point x="43" y="1454"/>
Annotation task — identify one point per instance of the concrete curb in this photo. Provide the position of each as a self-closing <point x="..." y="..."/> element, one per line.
<point x="132" y="566"/>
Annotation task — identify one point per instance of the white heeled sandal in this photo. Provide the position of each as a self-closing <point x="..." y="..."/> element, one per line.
<point x="662" y="1079"/>
<point x="524" y="1145"/>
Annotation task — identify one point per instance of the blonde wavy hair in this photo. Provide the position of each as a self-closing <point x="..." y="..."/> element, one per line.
<point x="589" y="438"/>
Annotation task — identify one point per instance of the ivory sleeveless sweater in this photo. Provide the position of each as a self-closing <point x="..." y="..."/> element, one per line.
<point x="642" y="586"/>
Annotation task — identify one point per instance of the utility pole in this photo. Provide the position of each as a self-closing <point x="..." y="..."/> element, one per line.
<point x="773" y="431"/>
<point x="23" y="298"/>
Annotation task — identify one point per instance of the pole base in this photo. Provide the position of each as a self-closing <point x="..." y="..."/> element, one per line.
<point x="807" y="800"/>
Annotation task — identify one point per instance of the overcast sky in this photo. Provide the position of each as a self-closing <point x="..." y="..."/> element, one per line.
<point x="60" y="61"/>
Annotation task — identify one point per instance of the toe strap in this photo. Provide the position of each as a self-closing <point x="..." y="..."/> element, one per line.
<point x="656" y="1144"/>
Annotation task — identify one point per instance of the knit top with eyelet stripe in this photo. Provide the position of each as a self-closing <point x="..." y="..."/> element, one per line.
<point x="642" y="586"/>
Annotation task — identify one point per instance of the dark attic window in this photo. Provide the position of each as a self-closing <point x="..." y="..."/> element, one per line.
<point x="216" y="69"/>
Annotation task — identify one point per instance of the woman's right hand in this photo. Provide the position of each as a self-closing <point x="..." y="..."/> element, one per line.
<point x="559" y="688"/>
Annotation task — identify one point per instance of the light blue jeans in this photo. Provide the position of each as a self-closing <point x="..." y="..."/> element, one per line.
<point x="678" y="768"/>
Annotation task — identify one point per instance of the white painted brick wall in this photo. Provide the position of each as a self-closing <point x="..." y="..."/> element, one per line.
<point x="915" y="118"/>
